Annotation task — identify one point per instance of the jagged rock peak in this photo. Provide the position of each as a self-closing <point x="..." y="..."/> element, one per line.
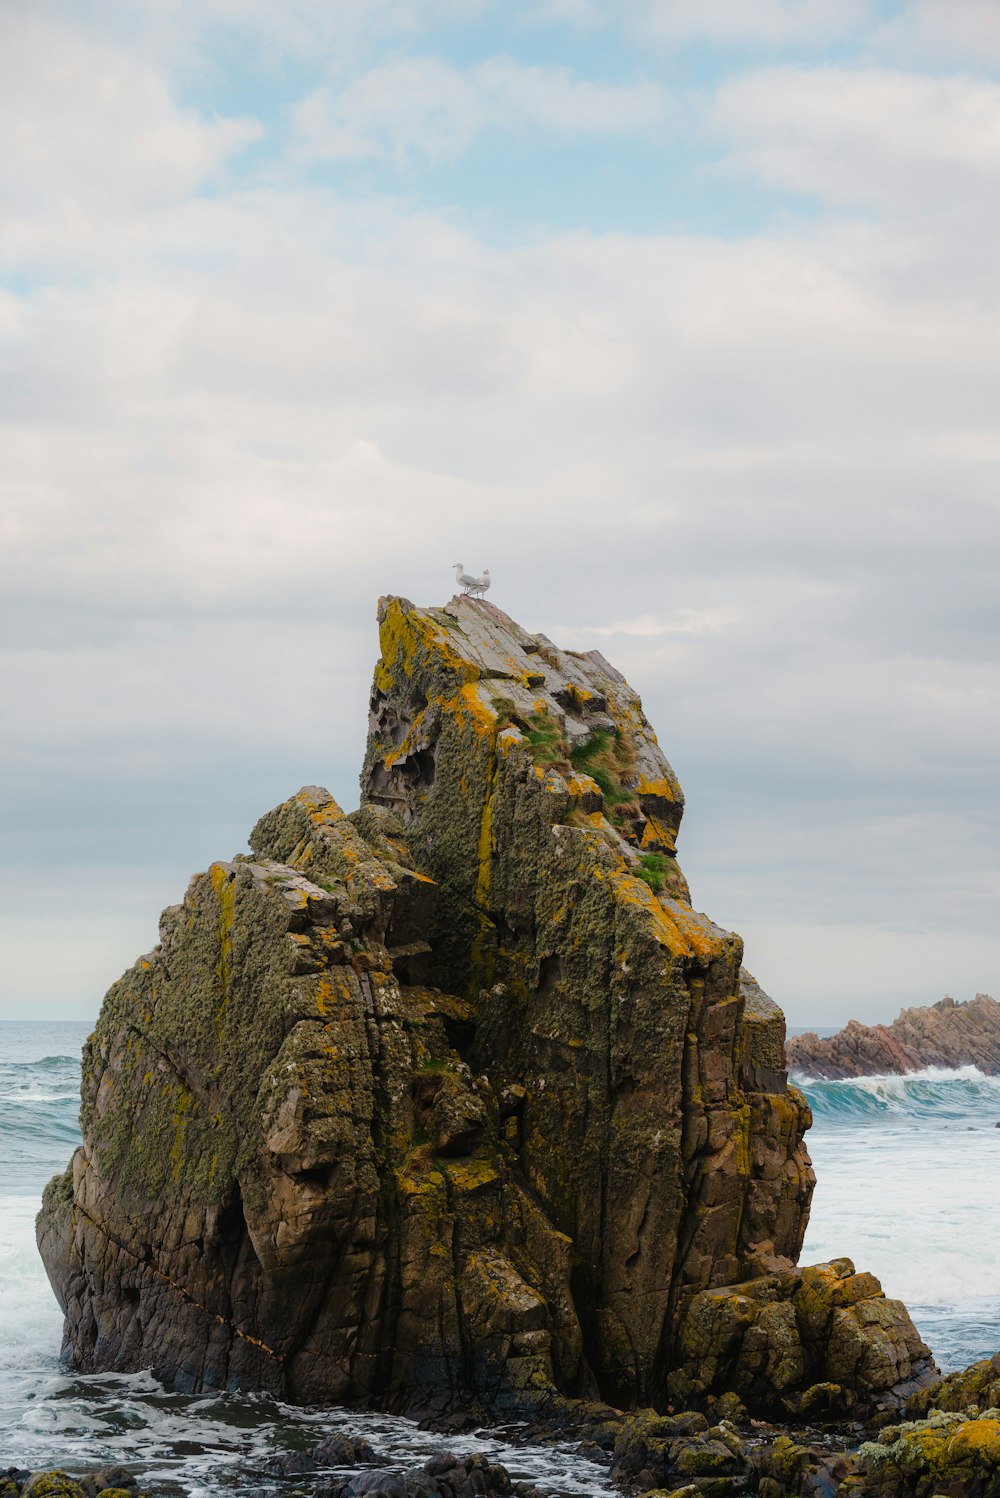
<point x="948" y="1033"/>
<point x="579" y="714"/>
<point x="456" y="1099"/>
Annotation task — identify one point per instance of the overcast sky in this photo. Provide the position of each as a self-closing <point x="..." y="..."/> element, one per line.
<point x="681" y="315"/>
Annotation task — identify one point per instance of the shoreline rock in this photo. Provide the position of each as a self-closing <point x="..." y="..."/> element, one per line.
<point x="947" y="1034"/>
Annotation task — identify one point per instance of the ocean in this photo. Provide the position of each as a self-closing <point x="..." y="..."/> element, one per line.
<point x="907" y="1173"/>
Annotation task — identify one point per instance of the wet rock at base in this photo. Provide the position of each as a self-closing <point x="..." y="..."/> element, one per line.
<point x="661" y="1452"/>
<point x="55" y="1484"/>
<point x="332" y="1451"/>
<point x="445" y="1475"/>
<point x="442" y="1476"/>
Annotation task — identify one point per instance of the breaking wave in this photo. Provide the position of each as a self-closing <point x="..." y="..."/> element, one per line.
<point x="935" y="1094"/>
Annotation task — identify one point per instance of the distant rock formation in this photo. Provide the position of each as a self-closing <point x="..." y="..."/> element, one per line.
<point x="457" y="1099"/>
<point x="946" y="1034"/>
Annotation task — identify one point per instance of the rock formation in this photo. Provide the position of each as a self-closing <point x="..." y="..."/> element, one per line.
<point x="946" y="1034"/>
<point x="458" y="1098"/>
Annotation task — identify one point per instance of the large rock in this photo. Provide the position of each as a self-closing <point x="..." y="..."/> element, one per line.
<point x="946" y="1034"/>
<point x="818" y="1342"/>
<point x="457" y="1098"/>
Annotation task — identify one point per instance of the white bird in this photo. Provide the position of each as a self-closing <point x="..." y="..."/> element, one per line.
<point x="474" y="586"/>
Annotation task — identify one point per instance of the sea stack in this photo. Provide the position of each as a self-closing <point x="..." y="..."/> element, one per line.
<point x="457" y="1100"/>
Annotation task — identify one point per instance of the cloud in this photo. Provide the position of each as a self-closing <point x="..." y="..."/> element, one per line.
<point x="738" y="458"/>
<point x="423" y="106"/>
<point x="854" y="961"/>
<point x="93" y="137"/>
<point x="729" y="22"/>
<point x="760" y="472"/>
<point x="942" y="31"/>
<point x="719" y="620"/>
<point x="864" y="137"/>
<point x="196" y="38"/>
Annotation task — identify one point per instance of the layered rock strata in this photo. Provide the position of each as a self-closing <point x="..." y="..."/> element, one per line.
<point x="947" y="1033"/>
<point x="456" y="1098"/>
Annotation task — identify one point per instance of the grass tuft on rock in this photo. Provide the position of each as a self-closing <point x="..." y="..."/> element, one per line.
<point x="609" y="758"/>
<point x="655" y="870"/>
<point x="549" y="746"/>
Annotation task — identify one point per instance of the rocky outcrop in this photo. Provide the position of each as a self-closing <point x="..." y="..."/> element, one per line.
<point x="973" y="1389"/>
<point x="290" y="1180"/>
<point x="944" y="1454"/>
<point x="443" y="1475"/>
<point x="947" y="1033"/>
<point x="820" y="1342"/>
<point x="455" y="1099"/>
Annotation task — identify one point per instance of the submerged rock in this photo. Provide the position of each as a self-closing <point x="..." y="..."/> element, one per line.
<point x="947" y="1033"/>
<point x="457" y="1103"/>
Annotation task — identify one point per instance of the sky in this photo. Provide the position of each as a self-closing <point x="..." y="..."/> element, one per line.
<point x="682" y="316"/>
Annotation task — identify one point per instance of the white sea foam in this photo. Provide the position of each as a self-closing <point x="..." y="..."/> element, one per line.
<point x="903" y="1082"/>
<point x="31" y="1325"/>
<point x="877" y="1079"/>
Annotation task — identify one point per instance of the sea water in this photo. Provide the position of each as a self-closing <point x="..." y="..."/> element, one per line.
<point x="907" y="1173"/>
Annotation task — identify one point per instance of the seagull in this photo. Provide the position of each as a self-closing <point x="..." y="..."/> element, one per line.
<point x="474" y="587"/>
